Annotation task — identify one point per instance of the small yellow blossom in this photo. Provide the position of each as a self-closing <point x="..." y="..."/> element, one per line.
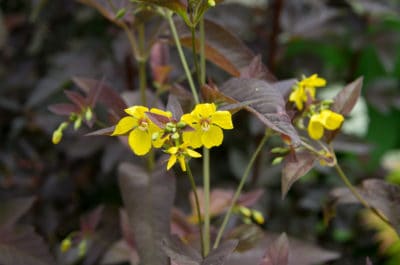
<point x="211" y="3"/>
<point x="326" y="119"/>
<point x="179" y="153"/>
<point x="306" y="89"/>
<point x="208" y="124"/>
<point x="140" y="128"/>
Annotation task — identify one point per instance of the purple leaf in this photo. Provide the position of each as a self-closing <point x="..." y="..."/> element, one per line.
<point x="108" y="96"/>
<point x="347" y="98"/>
<point x="174" y="107"/>
<point x="181" y="253"/>
<point x="248" y="236"/>
<point x="269" y="107"/>
<point x="222" y="48"/>
<point x="94" y="93"/>
<point x="380" y="195"/>
<point x="278" y="252"/>
<point x="148" y="199"/>
<point x="76" y="98"/>
<point x="294" y="167"/>
<point x="22" y="246"/>
<point x="219" y="255"/>
<point x="64" y="109"/>
<point x="90" y="221"/>
<point x="256" y="69"/>
<point x="250" y="198"/>
<point x="104" y="131"/>
<point x="12" y="210"/>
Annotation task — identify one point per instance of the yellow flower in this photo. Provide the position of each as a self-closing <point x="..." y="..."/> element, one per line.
<point x="306" y="89"/>
<point x="140" y="128"/>
<point x="207" y="123"/>
<point x="211" y="2"/>
<point x="179" y="153"/>
<point x="325" y="119"/>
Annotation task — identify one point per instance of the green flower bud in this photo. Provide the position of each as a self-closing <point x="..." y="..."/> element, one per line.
<point x="257" y="217"/>
<point x="57" y="136"/>
<point x="155" y="136"/>
<point x="245" y="211"/>
<point x="277" y="160"/>
<point x="88" y="114"/>
<point x="82" y="248"/>
<point x="175" y="136"/>
<point x="181" y="125"/>
<point x="78" y="123"/>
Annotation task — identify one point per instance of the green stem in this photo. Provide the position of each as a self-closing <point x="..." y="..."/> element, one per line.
<point x="182" y="56"/>
<point x="358" y="195"/>
<point x="195" y="60"/>
<point x="206" y="187"/>
<point x="240" y="187"/>
<point x="196" y="198"/>
<point x="142" y="65"/>
<point x="202" y="53"/>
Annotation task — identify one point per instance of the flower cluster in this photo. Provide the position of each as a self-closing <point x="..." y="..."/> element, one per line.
<point x="320" y="116"/>
<point x="147" y="128"/>
<point x="304" y="91"/>
<point x="325" y="119"/>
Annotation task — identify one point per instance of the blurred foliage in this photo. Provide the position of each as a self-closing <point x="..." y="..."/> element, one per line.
<point x="44" y="44"/>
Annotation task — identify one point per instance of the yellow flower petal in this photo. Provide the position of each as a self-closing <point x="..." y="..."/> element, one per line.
<point x="167" y="114"/>
<point x="297" y="97"/>
<point x="139" y="141"/>
<point x="212" y="137"/>
<point x="204" y="110"/>
<point x="315" y="128"/>
<point x="193" y="138"/>
<point x="314" y="81"/>
<point x="192" y="153"/>
<point x="223" y="119"/>
<point x="331" y="120"/>
<point x="182" y="162"/>
<point x="189" y="119"/>
<point x="124" y="125"/>
<point x="173" y="150"/>
<point x="137" y="111"/>
<point x="171" y="162"/>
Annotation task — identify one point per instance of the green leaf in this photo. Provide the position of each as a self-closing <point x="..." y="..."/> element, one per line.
<point x="269" y="106"/>
<point x="148" y="199"/>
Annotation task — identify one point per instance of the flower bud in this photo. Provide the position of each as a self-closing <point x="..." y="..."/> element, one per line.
<point x="57" y="136"/>
<point x="66" y="245"/>
<point x="78" y="123"/>
<point x="88" y="114"/>
<point x="82" y="248"/>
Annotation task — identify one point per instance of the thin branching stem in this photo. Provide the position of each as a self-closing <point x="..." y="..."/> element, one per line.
<point x="194" y="51"/>
<point x="359" y="197"/>
<point x="240" y="187"/>
<point x="182" y="57"/>
<point x="196" y="199"/>
<point x="202" y="53"/>
<point x="206" y="187"/>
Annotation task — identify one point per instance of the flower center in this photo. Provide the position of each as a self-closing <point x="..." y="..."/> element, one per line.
<point x="205" y="124"/>
<point x="143" y="125"/>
